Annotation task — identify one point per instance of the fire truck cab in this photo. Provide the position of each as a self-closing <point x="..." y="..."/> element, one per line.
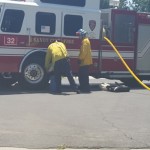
<point x="28" y="27"/>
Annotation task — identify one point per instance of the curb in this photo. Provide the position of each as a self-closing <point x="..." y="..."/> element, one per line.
<point x="11" y="148"/>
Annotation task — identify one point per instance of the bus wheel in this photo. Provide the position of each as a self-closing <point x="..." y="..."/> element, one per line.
<point x="33" y="75"/>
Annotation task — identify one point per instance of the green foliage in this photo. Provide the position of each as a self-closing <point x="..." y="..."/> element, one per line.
<point x="137" y="5"/>
<point x="123" y="4"/>
<point x="140" y="5"/>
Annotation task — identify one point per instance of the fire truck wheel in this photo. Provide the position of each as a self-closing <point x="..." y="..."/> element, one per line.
<point x="33" y="75"/>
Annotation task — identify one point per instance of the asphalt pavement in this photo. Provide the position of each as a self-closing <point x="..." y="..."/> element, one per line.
<point x="101" y="120"/>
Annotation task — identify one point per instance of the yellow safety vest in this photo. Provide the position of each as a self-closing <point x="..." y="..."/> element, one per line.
<point x="85" y="55"/>
<point x="55" y="52"/>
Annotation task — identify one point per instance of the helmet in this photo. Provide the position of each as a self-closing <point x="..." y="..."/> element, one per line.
<point x="81" y="32"/>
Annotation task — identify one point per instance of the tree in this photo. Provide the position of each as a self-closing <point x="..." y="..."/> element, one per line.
<point x="140" y="5"/>
<point x="123" y="4"/>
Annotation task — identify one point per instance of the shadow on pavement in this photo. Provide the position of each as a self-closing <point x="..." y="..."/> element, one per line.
<point x="16" y="89"/>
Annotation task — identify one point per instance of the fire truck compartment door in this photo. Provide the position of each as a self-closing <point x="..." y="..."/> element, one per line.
<point x="143" y="47"/>
<point x="124" y="26"/>
<point x="123" y="35"/>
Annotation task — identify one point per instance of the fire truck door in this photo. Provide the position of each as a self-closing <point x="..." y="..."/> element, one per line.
<point x="123" y="35"/>
<point x="143" y="44"/>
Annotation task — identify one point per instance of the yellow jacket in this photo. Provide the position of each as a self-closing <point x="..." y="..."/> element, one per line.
<point x="55" y="52"/>
<point x="85" y="56"/>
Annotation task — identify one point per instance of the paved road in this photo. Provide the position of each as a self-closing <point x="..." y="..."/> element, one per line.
<point x="102" y="119"/>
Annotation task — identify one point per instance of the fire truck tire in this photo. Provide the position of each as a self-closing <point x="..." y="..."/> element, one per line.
<point x="33" y="75"/>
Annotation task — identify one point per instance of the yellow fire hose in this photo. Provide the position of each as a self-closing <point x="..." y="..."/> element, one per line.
<point x="125" y="64"/>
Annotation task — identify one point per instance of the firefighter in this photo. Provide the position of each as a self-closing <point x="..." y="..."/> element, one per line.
<point x="57" y="55"/>
<point x="85" y="60"/>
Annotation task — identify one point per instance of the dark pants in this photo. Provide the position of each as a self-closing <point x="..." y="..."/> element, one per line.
<point x="62" y="68"/>
<point x="84" y="78"/>
<point x="52" y="84"/>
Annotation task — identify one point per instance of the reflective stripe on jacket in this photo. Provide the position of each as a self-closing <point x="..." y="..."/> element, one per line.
<point x="85" y="55"/>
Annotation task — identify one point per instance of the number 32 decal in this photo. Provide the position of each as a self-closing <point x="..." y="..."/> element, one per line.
<point x="10" y="40"/>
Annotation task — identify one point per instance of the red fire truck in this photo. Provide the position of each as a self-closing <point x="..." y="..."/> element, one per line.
<point x="28" y="27"/>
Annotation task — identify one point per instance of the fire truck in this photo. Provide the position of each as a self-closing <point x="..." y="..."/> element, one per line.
<point x="28" y="27"/>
